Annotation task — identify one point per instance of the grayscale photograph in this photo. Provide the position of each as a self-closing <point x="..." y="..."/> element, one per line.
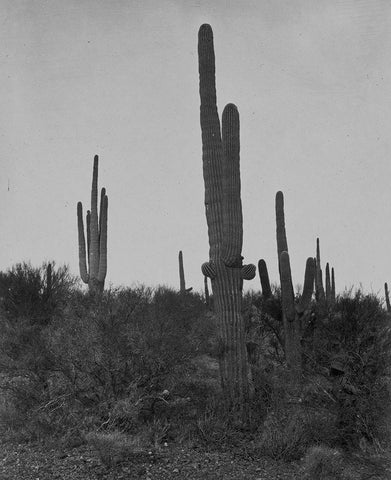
<point x="195" y="232"/>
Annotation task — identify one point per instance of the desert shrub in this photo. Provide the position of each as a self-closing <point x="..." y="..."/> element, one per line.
<point x="90" y="363"/>
<point x="352" y="350"/>
<point x="24" y="293"/>
<point x="288" y="432"/>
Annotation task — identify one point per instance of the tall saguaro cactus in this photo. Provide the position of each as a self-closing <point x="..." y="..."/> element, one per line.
<point x="292" y="312"/>
<point x="223" y="208"/>
<point x="94" y="273"/>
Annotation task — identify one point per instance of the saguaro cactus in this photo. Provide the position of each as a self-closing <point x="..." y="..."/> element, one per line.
<point x="94" y="275"/>
<point x="319" y="289"/>
<point x="221" y="171"/>
<point x="291" y="311"/>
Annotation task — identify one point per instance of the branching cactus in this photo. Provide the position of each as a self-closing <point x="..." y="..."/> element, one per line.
<point x="182" y="283"/>
<point x="221" y="171"/>
<point x="292" y="310"/>
<point x="94" y="273"/>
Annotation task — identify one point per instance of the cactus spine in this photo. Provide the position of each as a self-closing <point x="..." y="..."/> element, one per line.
<point x="223" y="209"/>
<point x="291" y="312"/>
<point x="96" y="226"/>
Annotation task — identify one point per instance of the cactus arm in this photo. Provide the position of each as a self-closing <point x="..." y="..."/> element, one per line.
<point x="282" y="243"/>
<point x="287" y="294"/>
<point x="308" y="287"/>
<point x="94" y="226"/>
<point x="82" y="244"/>
<point x="232" y="205"/>
<point x="212" y="151"/>
<point x="103" y="240"/>
<point x="264" y="278"/>
<point x="102" y="199"/>
<point x="88" y="228"/>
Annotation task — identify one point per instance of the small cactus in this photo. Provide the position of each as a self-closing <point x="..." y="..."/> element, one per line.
<point x="182" y="283"/>
<point x="264" y="278"/>
<point x="96" y="226"/>
<point x="48" y="281"/>
<point x="387" y="295"/>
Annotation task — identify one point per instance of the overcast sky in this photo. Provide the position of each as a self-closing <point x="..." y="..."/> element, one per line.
<point x="312" y="82"/>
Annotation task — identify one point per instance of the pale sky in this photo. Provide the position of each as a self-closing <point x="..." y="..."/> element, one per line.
<point x="311" y="80"/>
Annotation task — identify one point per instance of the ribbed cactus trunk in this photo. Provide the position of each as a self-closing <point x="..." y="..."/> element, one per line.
<point x="94" y="273"/>
<point x="291" y="312"/>
<point x="220" y="154"/>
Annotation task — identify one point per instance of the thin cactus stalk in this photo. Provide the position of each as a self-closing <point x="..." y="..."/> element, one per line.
<point x="48" y="281"/>
<point x="332" y="285"/>
<point x="264" y="278"/>
<point x="93" y="262"/>
<point x="387" y="295"/>
<point x="328" y="284"/>
<point x="223" y="209"/>
<point x="182" y="283"/>
<point x="319" y="289"/>
<point x="292" y="311"/>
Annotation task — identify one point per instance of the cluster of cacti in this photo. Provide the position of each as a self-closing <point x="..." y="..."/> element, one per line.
<point x="292" y="310"/>
<point x="322" y="295"/>
<point x="182" y="283"/>
<point x="96" y="225"/>
<point x="221" y="171"/>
